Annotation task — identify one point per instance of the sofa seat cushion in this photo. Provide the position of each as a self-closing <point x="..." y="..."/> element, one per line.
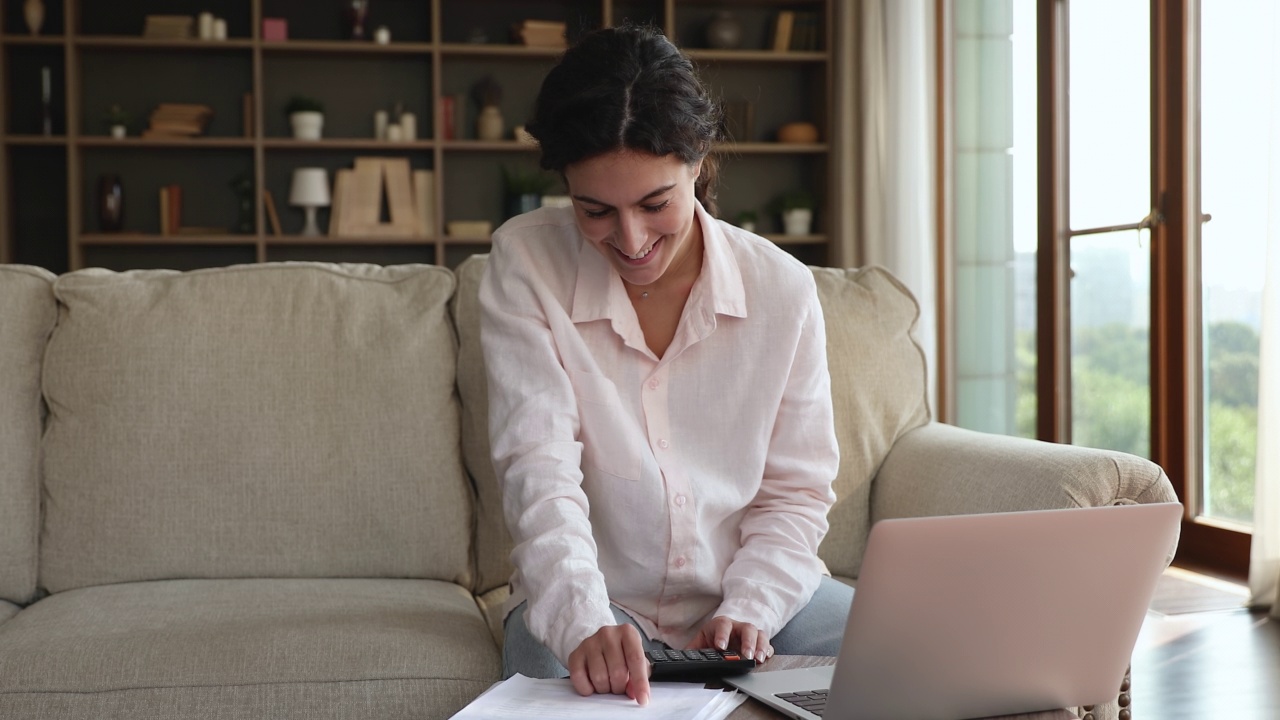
<point x="248" y="648"/>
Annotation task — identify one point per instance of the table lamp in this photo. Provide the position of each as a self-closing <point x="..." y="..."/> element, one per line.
<point x="310" y="191"/>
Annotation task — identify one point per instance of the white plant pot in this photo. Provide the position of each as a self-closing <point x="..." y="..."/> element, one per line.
<point x="797" y="222"/>
<point x="118" y="131"/>
<point x="307" y="125"/>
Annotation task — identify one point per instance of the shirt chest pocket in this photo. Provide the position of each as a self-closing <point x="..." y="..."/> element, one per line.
<point x="611" y="443"/>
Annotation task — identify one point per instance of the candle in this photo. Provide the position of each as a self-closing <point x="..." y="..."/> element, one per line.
<point x="46" y="77"/>
<point x="205" y="24"/>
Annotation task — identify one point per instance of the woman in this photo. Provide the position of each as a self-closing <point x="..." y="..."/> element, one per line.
<point x="660" y="407"/>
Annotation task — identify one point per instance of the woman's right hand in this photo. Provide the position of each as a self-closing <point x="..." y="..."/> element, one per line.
<point x="611" y="661"/>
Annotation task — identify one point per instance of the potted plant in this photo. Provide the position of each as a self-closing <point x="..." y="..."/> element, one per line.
<point x="117" y="121"/>
<point x="306" y="117"/>
<point x="524" y="189"/>
<point x="747" y="220"/>
<point x="796" y="209"/>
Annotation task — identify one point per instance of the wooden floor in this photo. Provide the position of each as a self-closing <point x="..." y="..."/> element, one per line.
<point x="1207" y="665"/>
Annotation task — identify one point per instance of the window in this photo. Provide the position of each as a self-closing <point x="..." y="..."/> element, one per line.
<point x="1104" y="310"/>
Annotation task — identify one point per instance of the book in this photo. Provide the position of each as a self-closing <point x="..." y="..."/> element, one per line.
<point x="782" y="28"/>
<point x="272" y="216"/>
<point x="448" y="114"/>
<point x="540" y="33"/>
<point x="170" y="209"/>
<point x="164" y="210"/>
<point x="169" y="27"/>
<point x="179" y="119"/>
<point x="424" y="197"/>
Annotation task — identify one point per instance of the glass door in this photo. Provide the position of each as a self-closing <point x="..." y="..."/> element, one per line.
<point x="1236" y="120"/>
<point x="1109" y="212"/>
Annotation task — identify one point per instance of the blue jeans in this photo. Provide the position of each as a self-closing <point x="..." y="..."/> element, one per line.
<point x="815" y="630"/>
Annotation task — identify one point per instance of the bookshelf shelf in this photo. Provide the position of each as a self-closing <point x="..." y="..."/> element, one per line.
<point x="327" y="47"/>
<point x="108" y="239"/>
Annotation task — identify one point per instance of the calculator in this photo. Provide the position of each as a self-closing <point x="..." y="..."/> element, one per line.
<point x="696" y="665"/>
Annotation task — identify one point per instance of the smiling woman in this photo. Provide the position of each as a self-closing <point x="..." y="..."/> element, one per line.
<point x="656" y="499"/>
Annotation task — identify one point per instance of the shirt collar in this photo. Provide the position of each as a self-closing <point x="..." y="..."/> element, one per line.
<point x="599" y="294"/>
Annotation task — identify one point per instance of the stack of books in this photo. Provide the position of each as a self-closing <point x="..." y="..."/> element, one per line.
<point x="169" y="27"/>
<point x="178" y="120"/>
<point x="539" y="33"/>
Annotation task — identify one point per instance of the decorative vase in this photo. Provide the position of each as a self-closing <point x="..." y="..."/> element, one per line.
<point x="119" y="131"/>
<point x="489" y="123"/>
<point x="797" y="221"/>
<point x="110" y="203"/>
<point x="356" y="12"/>
<point x="33" y="11"/>
<point x="308" y="125"/>
<point x="724" y="32"/>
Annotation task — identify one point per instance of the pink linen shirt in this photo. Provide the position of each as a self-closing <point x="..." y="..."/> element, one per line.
<point x="681" y="487"/>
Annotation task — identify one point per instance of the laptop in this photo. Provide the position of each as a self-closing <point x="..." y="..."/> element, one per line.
<point x="969" y="616"/>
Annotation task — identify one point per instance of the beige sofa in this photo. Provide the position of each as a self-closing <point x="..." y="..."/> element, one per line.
<point x="263" y="491"/>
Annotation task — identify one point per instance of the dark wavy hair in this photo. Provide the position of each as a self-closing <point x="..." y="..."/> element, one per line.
<point x="629" y="88"/>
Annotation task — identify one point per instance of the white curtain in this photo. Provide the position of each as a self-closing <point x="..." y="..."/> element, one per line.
<point x="1264" y="567"/>
<point x="899" y="159"/>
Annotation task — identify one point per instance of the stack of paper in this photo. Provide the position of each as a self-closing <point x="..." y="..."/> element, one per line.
<point x="522" y="698"/>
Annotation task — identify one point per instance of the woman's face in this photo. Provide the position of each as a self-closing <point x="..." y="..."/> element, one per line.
<point x="637" y="209"/>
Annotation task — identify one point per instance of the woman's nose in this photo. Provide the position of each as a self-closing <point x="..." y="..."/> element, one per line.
<point x="631" y="233"/>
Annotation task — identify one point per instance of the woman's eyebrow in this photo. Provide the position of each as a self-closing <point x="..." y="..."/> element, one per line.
<point x="593" y="201"/>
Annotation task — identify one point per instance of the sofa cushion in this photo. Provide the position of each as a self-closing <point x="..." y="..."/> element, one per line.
<point x="7" y="610"/>
<point x="277" y="420"/>
<point x="877" y="387"/>
<point x="27" y="315"/>
<point x="248" y="648"/>
<point x="492" y="541"/>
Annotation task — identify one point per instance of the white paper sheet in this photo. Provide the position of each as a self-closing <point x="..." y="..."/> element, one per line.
<point x="522" y="698"/>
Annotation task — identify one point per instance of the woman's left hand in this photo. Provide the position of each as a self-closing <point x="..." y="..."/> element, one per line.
<point x="720" y="632"/>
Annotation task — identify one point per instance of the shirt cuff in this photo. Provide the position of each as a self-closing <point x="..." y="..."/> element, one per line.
<point x="765" y="618"/>
<point x="576" y="624"/>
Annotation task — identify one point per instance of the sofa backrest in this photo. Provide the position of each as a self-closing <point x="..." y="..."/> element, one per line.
<point x="878" y="388"/>
<point x="27" y="315"/>
<point x="281" y="420"/>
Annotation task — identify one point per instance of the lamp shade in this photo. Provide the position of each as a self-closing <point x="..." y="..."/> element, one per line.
<point x="310" y="187"/>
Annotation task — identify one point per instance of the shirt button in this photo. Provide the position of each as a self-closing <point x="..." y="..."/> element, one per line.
<point x="679" y="562"/>
<point x="663" y="444"/>
<point x="653" y="384"/>
<point x="680" y="500"/>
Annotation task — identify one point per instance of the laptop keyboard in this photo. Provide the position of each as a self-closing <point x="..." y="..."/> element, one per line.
<point x="815" y="701"/>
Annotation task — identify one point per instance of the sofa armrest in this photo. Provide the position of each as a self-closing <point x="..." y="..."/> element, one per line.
<point x="940" y="469"/>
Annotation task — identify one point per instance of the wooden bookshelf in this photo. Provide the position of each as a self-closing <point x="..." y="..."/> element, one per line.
<point x="98" y="57"/>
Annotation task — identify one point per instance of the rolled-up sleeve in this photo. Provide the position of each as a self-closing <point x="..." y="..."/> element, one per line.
<point x="534" y="426"/>
<point x="776" y="570"/>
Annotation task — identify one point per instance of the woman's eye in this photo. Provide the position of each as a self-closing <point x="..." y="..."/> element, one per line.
<point x="595" y="214"/>
<point x="657" y="208"/>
